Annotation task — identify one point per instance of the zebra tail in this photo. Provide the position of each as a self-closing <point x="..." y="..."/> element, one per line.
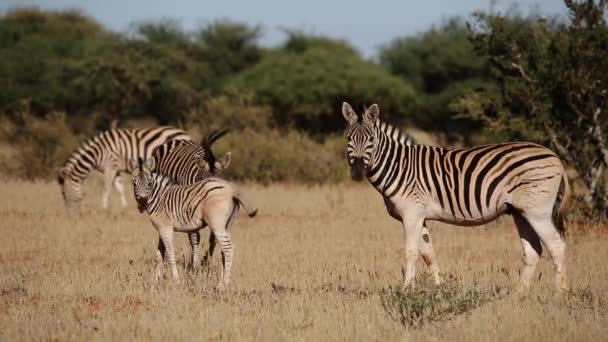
<point x="238" y="202"/>
<point x="564" y="196"/>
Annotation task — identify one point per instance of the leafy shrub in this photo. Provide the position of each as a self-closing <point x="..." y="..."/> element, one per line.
<point x="229" y="111"/>
<point x="40" y="145"/>
<point x="269" y="156"/>
<point x="432" y="303"/>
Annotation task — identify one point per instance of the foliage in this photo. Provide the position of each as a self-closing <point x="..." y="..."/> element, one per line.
<point x="271" y="156"/>
<point x="231" y="111"/>
<point x="306" y="83"/>
<point x="433" y="303"/>
<point x="442" y="65"/>
<point x="552" y="78"/>
<point x="33" y="47"/>
<point x="41" y="145"/>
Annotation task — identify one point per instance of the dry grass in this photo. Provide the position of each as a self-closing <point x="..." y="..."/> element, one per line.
<point x="314" y="265"/>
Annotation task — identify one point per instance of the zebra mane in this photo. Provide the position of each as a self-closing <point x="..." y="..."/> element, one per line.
<point x="396" y="133"/>
<point x="163" y="180"/>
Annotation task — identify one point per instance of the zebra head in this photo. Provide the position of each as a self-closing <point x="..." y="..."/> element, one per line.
<point x="208" y="165"/>
<point x="361" y="137"/>
<point x="211" y="167"/>
<point x="70" y="189"/>
<point x="142" y="180"/>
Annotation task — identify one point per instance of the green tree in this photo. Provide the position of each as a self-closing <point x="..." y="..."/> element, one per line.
<point x="553" y="79"/>
<point x="306" y="82"/>
<point x="34" y="44"/>
<point x="442" y="65"/>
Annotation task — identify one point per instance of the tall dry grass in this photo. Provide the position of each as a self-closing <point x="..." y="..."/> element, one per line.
<point x="313" y="265"/>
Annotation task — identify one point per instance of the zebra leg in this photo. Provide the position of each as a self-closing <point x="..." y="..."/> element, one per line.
<point x="428" y="253"/>
<point x="108" y="176"/>
<point x="412" y="226"/>
<point x="531" y="247"/>
<point x="553" y="241"/>
<point x="166" y="235"/>
<point x="195" y="238"/>
<point x="227" y="254"/>
<point x="160" y="254"/>
<point x="121" y="190"/>
<point x="209" y="253"/>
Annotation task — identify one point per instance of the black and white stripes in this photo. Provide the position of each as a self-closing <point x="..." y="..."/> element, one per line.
<point x="109" y="152"/>
<point x="170" y="207"/>
<point x="463" y="186"/>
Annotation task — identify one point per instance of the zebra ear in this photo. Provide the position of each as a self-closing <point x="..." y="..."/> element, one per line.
<point x="61" y="176"/>
<point x="133" y="164"/>
<point x="372" y="113"/>
<point x="349" y="113"/>
<point x="201" y="163"/>
<point x="224" y="162"/>
<point x="150" y="164"/>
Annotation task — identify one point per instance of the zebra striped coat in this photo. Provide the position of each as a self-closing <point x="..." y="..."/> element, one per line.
<point x="109" y="152"/>
<point x="187" y="162"/>
<point x="186" y="208"/>
<point x="468" y="186"/>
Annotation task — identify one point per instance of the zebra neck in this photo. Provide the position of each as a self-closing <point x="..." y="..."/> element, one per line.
<point x="85" y="159"/>
<point x="159" y="184"/>
<point x="390" y="144"/>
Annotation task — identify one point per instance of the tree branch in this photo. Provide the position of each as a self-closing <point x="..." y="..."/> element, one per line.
<point x="599" y="136"/>
<point x="521" y="71"/>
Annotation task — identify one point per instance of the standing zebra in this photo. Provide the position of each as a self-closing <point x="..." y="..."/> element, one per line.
<point x="468" y="186"/>
<point x="109" y="152"/>
<point x="187" y="162"/>
<point x="212" y="202"/>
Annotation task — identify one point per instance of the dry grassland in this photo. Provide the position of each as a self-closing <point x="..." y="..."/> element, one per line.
<point x="331" y="252"/>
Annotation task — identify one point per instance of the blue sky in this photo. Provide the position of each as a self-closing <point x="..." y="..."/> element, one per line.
<point x="366" y="24"/>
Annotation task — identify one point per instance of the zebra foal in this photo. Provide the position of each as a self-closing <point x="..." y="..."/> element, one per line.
<point x="185" y="208"/>
<point x="469" y="186"/>
<point x="187" y="162"/>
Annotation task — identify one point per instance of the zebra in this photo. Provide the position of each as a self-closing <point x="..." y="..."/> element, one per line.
<point x="211" y="202"/>
<point x="109" y="152"/>
<point x="187" y="162"/>
<point x="468" y="186"/>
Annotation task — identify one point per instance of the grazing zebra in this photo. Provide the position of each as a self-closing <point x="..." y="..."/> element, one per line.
<point x="109" y="152"/>
<point x="187" y="162"/>
<point x="469" y="186"/>
<point x="212" y="202"/>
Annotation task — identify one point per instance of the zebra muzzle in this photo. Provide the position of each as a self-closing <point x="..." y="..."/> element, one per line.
<point x="142" y="204"/>
<point x="357" y="169"/>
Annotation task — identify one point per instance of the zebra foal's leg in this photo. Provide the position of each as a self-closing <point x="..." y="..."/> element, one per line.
<point x="412" y="227"/>
<point x="160" y="255"/>
<point x="227" y="254"/>
<point x="209" y="253"/>
<point x="166" y="235"/>
<point x="531" y="247"/>
<point x="121" y="189"/>
<point x="428" y="253"/>
<point x="195" y="238"/>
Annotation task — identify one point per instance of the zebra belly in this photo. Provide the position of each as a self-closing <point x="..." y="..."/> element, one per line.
<point x="189" y="226"/>
<point x="469" y="221"/>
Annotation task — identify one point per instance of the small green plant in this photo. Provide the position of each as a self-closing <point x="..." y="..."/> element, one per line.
<point x="433" y="303"/>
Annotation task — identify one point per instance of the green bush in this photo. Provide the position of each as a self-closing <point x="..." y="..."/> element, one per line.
<point x="234" y="112"/>
<point x="270" y="156"/>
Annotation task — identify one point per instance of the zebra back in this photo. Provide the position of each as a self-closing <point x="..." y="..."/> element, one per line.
<point x="189" y="162"/>
<point x="111" y="150"/>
